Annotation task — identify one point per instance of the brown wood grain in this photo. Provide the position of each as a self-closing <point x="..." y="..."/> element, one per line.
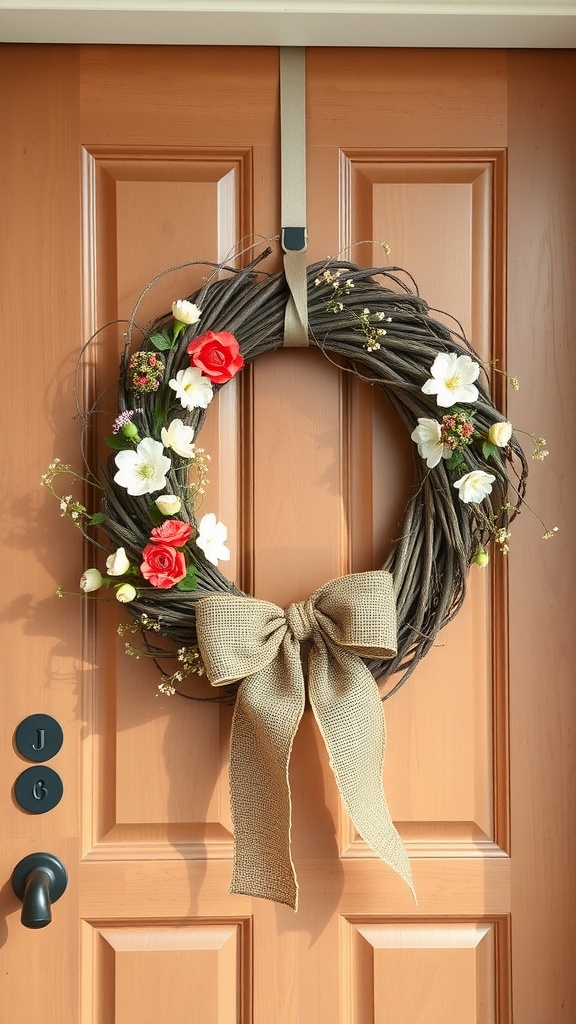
<point x="119" y="161"/>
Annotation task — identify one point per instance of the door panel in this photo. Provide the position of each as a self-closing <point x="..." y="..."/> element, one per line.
<point x="123" y="162"/>
<point x="542" y="322"/>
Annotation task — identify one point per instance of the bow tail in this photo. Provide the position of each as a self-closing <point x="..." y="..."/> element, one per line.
<point x="347" y="706"/>
<point x="268" y="709"/>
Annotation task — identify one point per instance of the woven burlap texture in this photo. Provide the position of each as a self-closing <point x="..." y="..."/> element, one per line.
<point x="243" y="638"/>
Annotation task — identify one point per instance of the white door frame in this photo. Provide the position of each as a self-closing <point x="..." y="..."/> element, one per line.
<point x="429" y="23"/>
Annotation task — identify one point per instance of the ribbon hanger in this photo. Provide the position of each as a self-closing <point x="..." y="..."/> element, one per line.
<point x="293" y="178"/>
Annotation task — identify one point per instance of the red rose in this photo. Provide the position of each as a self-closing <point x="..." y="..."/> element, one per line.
<point x="216" y="355"/>
<point x="173" y="532"/>
<point x="163" y="565"/>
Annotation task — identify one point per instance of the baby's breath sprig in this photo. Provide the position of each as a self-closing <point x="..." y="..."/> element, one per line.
<point x="540" y="451"/>
<point x="194" y="489"/>
<point x="339" y="288"/>
<point x="73" y="509"/>
<point x="134" y="652"/>
<point x="501" y="538"/>
<point x="54" y="468"/>
<point x="166" y="687"/>
<point x="513" y="381"/>
<point x="69" y="506"/>
<point x="141" y="622"/>
<point x="201" y="470"/>
<point x="191" y="664"/>
<point x="127" y="627"/>
<point x="496" y="527"/>
<point x="367" y="321"/>
<point x="191" y="660"/>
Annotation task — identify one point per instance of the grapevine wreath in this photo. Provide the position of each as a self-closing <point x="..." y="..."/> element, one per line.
<point x="162" y="556"/>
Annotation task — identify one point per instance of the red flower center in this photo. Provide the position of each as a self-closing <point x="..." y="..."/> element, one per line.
<point x="217" y="357"/>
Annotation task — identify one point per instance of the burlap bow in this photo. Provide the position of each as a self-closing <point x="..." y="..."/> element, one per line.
<point x="256" y="641"/>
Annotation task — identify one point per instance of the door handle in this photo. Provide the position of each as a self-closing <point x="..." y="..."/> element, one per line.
<point x="38" y="881"/>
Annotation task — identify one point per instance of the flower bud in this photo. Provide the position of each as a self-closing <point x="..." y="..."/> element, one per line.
<point x="185" y="312"/>
<point x="130" y="430"/>
<point x="168" y="504"/>
<point x="481" y="558"/>
<point x="126" y="593"/>
<point x="117" y="564"/>
<point x="91" y="580"/>
<point x="500" y="434"/>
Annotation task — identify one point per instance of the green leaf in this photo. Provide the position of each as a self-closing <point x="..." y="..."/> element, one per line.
<point x="489" y="450"/>
<point x="190" y="581"/>
<point x="119" y="442"/>
<point x="155" y="515"/>
<point x="97" y="518"/>
<point x="455" y="461"/>
<point x="161" y="411"/>
<point x="161" y="341"/>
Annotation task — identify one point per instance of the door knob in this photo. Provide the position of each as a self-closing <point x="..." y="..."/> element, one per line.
<point x="38" y="880"/>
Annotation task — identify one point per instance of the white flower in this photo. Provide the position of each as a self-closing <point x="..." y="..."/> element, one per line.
<point x="211" y="537"/>
<point x="452" y="378"/>
<point x="186" y="312"/>
<point x="179" y="438"/>
<point x="193" y="390"/>
<point x="142" y="471"/>
<point x="126" y="593"/>
<point x="91" y="580"/>
<point x="168" y="504"/>
<point x="474" y="486"/>
<point x="428" y="438"/>
<point x="500" y="433"/>
<point x="117" y="564"/>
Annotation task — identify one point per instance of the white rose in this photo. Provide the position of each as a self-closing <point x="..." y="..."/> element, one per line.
<point x="474" y="486"/>
<point x="179" y="438"/>
<point x="500" y="434"/>
<point x="186" y="312"/>
<point x="117" y="564"/>
<point x="126" y="593"/>
<point x="168" y="504"/>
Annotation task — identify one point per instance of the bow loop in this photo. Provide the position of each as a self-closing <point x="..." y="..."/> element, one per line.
<point x="358" y="612"/>
<point x="237" y="635"/>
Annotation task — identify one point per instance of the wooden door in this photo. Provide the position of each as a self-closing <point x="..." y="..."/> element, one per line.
<point x="119" y="162"/>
